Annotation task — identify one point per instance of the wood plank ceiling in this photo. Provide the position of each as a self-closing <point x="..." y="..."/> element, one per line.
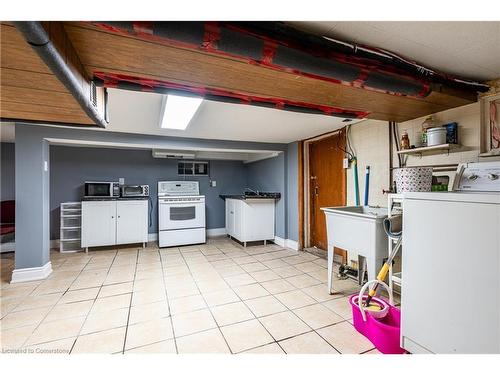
<point x="29" y="90"/>
<point x="103" y="51"/>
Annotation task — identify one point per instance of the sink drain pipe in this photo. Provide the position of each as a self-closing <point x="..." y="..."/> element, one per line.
<point x="37" y="38"/>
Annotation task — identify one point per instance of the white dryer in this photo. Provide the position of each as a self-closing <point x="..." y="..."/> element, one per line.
<point x="450" y="296"/>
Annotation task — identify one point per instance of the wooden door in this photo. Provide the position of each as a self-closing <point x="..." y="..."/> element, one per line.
<point x="327" y="183"/>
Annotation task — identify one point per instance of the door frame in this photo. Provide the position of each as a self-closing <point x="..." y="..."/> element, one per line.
<point x="304" y="191"/>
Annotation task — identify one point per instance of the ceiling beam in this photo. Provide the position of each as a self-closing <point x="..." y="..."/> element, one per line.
<point x="29" y="90"/>
<point x="130" y="55"/>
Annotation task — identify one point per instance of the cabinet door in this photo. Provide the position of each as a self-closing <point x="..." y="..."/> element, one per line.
<point x="131" y="221"/>
<point x="239" y="220"/>
<point x="230" y="217"/>
<point x="98" y="223"/>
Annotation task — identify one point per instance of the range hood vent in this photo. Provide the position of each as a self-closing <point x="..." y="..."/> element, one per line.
<point x="173" y="154"/>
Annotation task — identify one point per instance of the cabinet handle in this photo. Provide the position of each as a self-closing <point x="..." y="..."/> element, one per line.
<point x="112" y="217"/>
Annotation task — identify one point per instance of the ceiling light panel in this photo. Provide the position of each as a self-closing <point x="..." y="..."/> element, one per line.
<point x="177" y="111"/>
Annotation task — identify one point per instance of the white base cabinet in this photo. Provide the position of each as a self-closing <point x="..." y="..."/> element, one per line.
<point x="250" y="219"/>
<point x="106" y="223"/>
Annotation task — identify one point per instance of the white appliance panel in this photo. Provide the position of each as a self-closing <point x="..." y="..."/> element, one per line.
<point x="182" y="215"/>
<point x="178" y="188"/>
<point x="451" y="284"/>
<point x="484" y="176"/>
<point x="182" y="237"/>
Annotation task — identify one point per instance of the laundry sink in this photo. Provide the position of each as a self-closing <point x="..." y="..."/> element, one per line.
<point x="358" y="229"/>
<point x="364" y="211"/>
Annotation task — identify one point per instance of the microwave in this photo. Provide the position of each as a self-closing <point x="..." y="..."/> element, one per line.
<point x="131" y="191"/>
<point x="95" y="189"/>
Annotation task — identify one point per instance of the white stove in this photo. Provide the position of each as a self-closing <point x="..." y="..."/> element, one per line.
<point x="181" y="213"/>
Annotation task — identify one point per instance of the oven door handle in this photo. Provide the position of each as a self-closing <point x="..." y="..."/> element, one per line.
<point x="182" y="204"/>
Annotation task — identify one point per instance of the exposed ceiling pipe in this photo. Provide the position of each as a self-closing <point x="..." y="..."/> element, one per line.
<point x="35" y="35"/>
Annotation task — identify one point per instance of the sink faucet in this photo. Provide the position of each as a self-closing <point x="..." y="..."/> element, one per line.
<point x="253" y="191"/>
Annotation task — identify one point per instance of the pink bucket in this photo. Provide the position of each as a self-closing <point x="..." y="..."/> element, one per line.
<point x="384" y="333"/>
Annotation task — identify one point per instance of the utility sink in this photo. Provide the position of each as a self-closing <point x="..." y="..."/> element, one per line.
<point x="359" y="229"/>
<point x="364" y="211"/>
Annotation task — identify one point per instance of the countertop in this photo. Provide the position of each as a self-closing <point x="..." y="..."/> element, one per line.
<point x="114" y="199"/>
<point x="250" y="196"/>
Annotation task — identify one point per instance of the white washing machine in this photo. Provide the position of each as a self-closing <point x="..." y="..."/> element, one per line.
<point x="450" y="293"/>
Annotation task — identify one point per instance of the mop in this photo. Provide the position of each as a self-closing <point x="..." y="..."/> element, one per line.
<point x="381" y="275"/>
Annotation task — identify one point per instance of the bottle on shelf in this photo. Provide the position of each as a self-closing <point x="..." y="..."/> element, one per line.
<point x="427" y="124"/>
<point x="405" y="141"/>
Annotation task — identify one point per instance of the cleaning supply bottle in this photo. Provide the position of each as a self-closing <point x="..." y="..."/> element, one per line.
<point x="405" y="141"/>
<point x="427" y="124"/>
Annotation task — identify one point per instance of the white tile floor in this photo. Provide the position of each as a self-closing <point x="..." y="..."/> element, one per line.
<point x="212" y="298"/>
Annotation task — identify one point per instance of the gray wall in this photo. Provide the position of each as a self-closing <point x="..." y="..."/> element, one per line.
<point x="7" y="176"/>
<point x="32" y="178"/>
<point x="292" y="206"/>
<point x="269" y="175"/>
<point x="71" y="166"/>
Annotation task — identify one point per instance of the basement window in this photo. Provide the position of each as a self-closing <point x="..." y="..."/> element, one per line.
<point x="192" y="168"/>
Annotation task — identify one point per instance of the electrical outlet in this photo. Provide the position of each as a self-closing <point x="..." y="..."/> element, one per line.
<point x="121" y="181"/>
<point x="346" y="163"/>
<point x="213" y="183"/>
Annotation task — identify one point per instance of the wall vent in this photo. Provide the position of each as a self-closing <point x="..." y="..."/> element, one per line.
<point x="93" y="93"/>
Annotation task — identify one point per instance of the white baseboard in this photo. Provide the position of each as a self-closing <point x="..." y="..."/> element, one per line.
<point x="31" y="274"/>
<point x="279" y="241"/>
<point x="216" y="232"/>
<point x="290" y="244"/>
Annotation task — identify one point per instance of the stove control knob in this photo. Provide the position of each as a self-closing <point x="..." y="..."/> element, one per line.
<point x="472" y="177"/>
<point x="492" y="176"/>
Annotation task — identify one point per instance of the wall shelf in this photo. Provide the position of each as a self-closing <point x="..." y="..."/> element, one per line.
<point x="438" y="149"/>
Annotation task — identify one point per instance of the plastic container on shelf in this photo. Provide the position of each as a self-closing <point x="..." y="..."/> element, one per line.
<point x="451" y="132"/>
<point x="436" y="136"/>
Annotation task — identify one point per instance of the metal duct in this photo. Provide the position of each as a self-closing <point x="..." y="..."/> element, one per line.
<point x="35" y="35"/>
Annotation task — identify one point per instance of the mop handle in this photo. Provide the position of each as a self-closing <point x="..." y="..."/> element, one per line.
<point x="367" y="184"/>
<point x="383" y="271"/>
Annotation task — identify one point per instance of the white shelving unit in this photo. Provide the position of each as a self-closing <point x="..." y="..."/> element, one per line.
<point x="395" y="206"/>
<point x="71" y="227"/>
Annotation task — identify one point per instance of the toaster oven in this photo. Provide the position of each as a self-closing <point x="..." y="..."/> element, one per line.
<point x="132" y="191"/>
